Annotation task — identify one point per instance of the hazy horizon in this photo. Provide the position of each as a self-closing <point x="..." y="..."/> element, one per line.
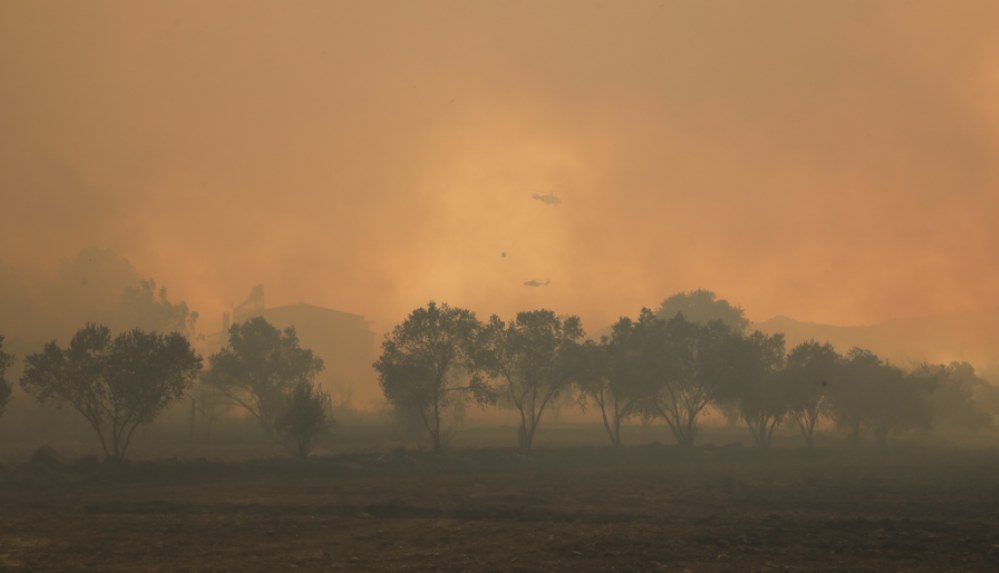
<point x="835" y="163"/>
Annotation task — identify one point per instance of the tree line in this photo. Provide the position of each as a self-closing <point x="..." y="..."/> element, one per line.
<point x="694" y="353"/>
<point x="118" y="383"/>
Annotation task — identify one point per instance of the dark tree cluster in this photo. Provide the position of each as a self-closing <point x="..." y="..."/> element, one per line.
<point x="531" y="357"/>
<point x="441" y="356"/>
<point x="665" y="366"/>
<point x="116" y="383"/>
<point x="432" y="362"/>
<point x="266" y="371"/>
<point x="658" y="366"/>
<point x="120" y="382"/>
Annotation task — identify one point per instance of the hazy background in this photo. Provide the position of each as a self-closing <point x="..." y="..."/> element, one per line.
<point x="831" y="161"/>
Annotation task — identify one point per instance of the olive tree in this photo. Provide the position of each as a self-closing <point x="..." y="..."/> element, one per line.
<point x="532" y="355"/>
<point x="686" y="368"/>
<point x="117" y="383"/>
<point x="428" y="365"/>
<point x="852" y="406"/>
<point x="957" y="396"/>
<point x="307" y="414"/>
<point x="874" y="396"/>
<point x="624" y="373"/>
<point x="606" y="376"/>
<point x="755" y="361"/>
<point x="811" y="369"/>
<point x="260" y="368"/>
<point x="902" y="404"/>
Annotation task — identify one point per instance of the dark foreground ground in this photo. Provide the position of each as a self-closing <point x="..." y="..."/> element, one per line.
<point x="648" y="508"/>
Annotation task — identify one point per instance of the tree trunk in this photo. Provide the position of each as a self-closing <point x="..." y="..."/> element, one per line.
<point x="613" y="427"/>
<point x="686" y="434"/>
<point x="435" y="432"/>
<point x="808" y="433"/>
<point x="760" y="427"/>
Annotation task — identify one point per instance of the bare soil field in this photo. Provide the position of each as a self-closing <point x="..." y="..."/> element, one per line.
<point x="648" y="508"/>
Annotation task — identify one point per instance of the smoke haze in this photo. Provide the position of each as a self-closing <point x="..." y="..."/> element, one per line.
<point x="835" y="162"/>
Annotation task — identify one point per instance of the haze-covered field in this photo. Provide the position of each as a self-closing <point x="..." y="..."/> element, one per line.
<point x="640" y="508"/>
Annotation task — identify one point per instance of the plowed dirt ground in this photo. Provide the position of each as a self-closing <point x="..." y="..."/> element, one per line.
<point x="650" y="508"/>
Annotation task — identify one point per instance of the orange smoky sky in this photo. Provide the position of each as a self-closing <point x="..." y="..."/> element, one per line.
<point x="831" y="161"/>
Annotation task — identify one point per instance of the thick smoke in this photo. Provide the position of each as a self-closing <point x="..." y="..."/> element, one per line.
<point x="830" y="161"/>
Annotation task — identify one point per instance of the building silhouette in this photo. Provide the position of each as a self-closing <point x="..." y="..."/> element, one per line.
<point x="343" y="340"/>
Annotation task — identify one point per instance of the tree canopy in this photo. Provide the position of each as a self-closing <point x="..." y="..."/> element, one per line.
<point x="430" y="363"/>
<point x="957" y="396"/>
<point x="811" y="369"/>
<point x="308" y="412"/>
<point x="606" y="375"/>
<point x="683" y="361"/>
<point x="260" y="368"/>
<point x="145" y="306"/>
<point x="115" y="383"/>
<point x="703" y="306"/>
<point x="532" y="356"/>
<point x="874" y="396"/>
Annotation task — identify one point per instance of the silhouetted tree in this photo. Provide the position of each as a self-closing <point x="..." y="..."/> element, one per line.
<point x="428" y="365"/>
<point x="532" y="355"/>
<point x="703" y="306"/>
<point x="146" y="307"/>
<point x="682" y="368"/>
<point x="811" y="368"/>
<point x="5" y="361"/>
<point x="756" y="360"/>
<point x="957" y="396"/>
<point x="115" y="383"/>
<point x="260" y="368"/>
<point x="851" y="400"/>
<point x="308" y="413"/>
<point x="902" y="404"/>
<point x="606" y="375"/>
<point x="94" y="286"/>
<point x="872" y="395"/>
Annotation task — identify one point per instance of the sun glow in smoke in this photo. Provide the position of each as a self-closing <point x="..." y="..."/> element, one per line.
<point x="482" y="207"/>
<point x="833" y="162"/>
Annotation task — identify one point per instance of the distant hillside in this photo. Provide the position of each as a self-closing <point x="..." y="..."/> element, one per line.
<point x="973" y="337"/>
